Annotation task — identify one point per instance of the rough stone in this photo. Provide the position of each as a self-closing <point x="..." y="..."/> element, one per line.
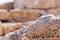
<point x="24" y="15"/>
<point x="43" y="4"/>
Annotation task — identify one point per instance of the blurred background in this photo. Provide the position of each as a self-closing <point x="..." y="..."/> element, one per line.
<point x="4" y="1"/>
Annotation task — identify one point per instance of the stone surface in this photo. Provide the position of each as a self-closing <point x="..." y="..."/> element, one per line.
<point x="7" y="6"/>
<point x="43" y="4"/>
<point x="9" y="27"/>
<point x="24" y="15"/>
<point x="57" y="2"/>
<point x="4" y="14"/>
<point x="55" y="12"/>
<point x="1" y="29"/>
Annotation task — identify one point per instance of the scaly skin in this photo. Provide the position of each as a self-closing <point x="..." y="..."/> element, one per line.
<point x="44" y="27"/>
